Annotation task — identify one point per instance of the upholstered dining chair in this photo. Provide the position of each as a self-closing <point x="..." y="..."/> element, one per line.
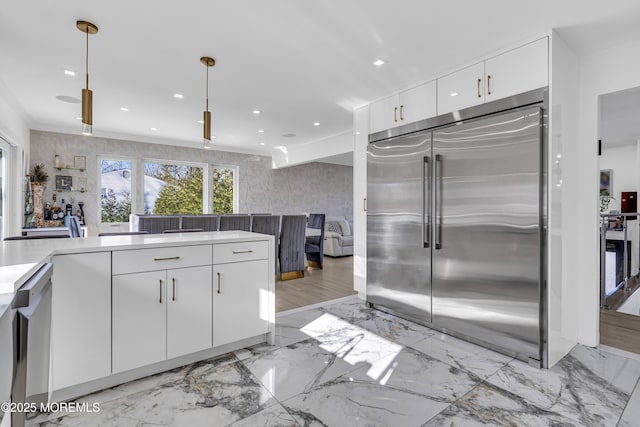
<point x="267" y="224"/>
<point x="155" y="224"/>
<point x="235" y="222"/>
<point x="207" y="222"/>
<point x="122" y="233"/>
<point x="183" y="230"/>
<point x="314" y="245"/>
<point x="291" y="253"/>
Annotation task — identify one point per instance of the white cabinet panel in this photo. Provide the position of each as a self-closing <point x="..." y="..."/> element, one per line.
<point x="418" y="103"/>
<point x="240" y="301"/>
<point x="139" y="320"/>
<point x="384" y="114"/>
<point x="189" y="293"/>
<point x="409" y="106"/>
<point x="462" y="89"/>
<point x="519" y="70"/>
<point x="242" y="251"/>
<point x="80" y="318"/>
<point x="139" y="260"/>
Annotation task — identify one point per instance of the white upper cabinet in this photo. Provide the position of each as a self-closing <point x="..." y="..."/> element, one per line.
<point x="462" y="89"/>
<point x="513" y="72"/>
<point x="518" y="70"/>
<point x="408" y="106"/>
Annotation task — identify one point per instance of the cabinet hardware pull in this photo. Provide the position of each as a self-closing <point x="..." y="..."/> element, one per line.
<point x="364" y="204"/>
<point x="174" y="288"/>
<point x="479" y="94"/>
<point x="160" y="291"/>
<point x="401" y="109"/>
<point x="248" y="251"/>
<point x="395" y="114"/>
<point x="167" y="258"/>
<point x="489" y="84"/>
<point x="218" y="282"/>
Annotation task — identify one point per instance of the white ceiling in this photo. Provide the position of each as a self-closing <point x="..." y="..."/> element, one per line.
<point x="299" y="62"/>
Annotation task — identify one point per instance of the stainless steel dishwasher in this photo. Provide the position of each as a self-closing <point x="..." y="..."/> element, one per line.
<point x="32" y="331"/>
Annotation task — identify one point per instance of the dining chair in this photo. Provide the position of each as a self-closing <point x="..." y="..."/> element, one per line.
<point x="314" y="245"/>
<point x="268" y="224"/>
<point x="235" y="222"/>
<point x="291" y="253"/>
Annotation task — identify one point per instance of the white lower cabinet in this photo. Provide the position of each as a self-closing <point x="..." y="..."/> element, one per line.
<point x="80" y="318"/>
<point x="160" y="315"/>
<point x="240" y="301"/>
<point x="188" y="310"/>
<point x="139" y="319"/>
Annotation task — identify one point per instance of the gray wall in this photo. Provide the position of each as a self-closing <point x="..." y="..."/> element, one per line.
<point x="310" y="188"/>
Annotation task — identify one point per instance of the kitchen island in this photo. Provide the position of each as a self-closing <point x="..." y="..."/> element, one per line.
<point x="124" y="307"/>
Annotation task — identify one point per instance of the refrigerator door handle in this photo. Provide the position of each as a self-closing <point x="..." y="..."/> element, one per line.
<point x="426" y="197"/>
<point x="437" y="197"/>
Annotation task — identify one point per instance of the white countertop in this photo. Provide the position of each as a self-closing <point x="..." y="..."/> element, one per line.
<point x="19" y="259"/>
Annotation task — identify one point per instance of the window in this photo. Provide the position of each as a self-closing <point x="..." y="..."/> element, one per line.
<point x="172" y="189"/>
<point x="115" y="190"/>
<point x="224" y="189"/>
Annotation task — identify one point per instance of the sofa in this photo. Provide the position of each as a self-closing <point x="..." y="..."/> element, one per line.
<point x="338" y="239"/>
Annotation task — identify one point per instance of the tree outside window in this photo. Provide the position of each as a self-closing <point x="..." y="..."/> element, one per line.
<point x="223" y="194"/>
<point x="172" y="189"/>
<point x="115" y="190"/>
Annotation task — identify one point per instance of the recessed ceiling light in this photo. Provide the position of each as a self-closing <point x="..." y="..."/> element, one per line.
<point x="178" y="95"/>
<point x="70" y="73"/>
<point x="378" y="62"/>
<point x="200" y="121"/>
<point x="154" y="129"/>
<point x="207" y="147"/>
<point x="256" y="112"/>
<point x="262" y="143"/>
<point x="124" y="109"/>
<point x="357" y="133"/>
<point x="316" y="123"/>
<point x="454" y="94"/>
<point x="78" y="118"/>
<point x="260" y="130"/>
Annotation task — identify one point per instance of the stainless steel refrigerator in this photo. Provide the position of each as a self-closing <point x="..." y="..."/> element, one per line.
<point x="455" y="222"/>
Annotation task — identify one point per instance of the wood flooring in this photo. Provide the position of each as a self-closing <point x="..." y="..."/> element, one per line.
<point x="620" y="330"/>
<point x="334" y="281"/>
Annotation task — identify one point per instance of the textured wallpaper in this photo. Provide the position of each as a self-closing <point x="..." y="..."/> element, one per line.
<point x="309" y="188"/>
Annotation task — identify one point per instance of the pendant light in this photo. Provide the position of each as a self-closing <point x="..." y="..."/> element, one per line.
<point x="208" y="62"/>
<point x="87" y="94"/>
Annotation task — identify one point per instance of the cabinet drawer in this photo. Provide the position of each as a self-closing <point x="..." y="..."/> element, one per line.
<point x="139" y="260"/>
<point x="237" y="252"/>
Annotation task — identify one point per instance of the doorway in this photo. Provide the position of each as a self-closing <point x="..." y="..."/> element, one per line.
<point x="5" y="174"/>
<point x="619" y="225"/>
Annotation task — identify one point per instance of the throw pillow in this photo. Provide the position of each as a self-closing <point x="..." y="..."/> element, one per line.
<point x="333" y="226"/>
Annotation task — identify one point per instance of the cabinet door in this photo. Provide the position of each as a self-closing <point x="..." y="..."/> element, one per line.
<point x="518" y="70"/>
<point x="80" y="318"/>
<point x="462" y="89"/>
<point x="139" y="320"/>
<point x="384" y="114"/>
<point x="418" y="103"/>
<point x="188" y="310"/>
<point x="240" y="301"/>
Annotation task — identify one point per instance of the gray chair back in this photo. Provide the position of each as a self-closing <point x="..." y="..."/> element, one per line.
<point x="75" y="229"/>
<point x="122" y="233"/>
<point x="291" y="252"/>
<point x="314" y="245"/>
<point x="235" y="222"/>
<point x="156" y="224"/>
<point x="59" y="236"/>
<point x="268" y="224"/>
<point x="184" y="230"/>
<point x="205" y="222"/>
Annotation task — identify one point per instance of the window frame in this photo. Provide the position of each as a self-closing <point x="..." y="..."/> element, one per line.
<point x="134" y="183"/>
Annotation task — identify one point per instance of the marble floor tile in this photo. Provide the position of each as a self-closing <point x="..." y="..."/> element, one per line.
<point x="490" y="405"/>
<point x="462" y="354"/>
<point x="273" y="416"/>
<point x="586" y="386"/>
<point x="288" y="328"/>
<point x="631" y="415"/>
<point x="352" y="311"/>
<point x="205" y="394"/>
<point x="298" y="367"/>
<point x="396" y="329"/>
